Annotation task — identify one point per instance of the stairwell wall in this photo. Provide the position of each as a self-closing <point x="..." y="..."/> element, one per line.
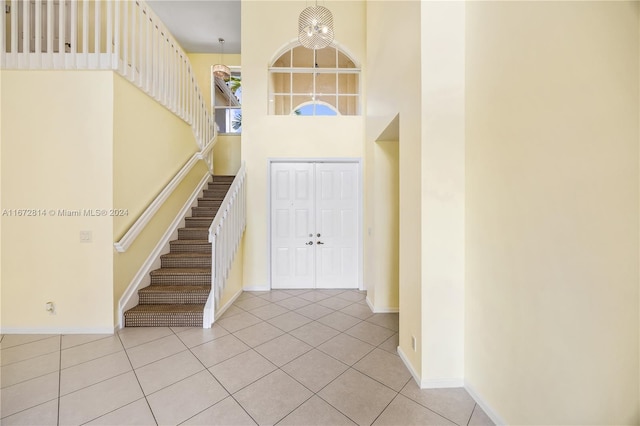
<point x="57" y="133"/>
<point x="150" y="145"/>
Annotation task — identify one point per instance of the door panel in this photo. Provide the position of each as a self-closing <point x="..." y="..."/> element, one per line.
<point x="337" y="203"/>
<point x="292" y="263"/>
<point x="310" y="199"/>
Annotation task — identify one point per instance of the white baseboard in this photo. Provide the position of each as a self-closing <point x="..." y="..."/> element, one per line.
<point x="57" y="330"/>
<point x="257" y="288"/>
<point x="387" y="310"/>
<point x="227" y="305"/>
<point x="493" y="415"/>
<point x="442" y="383"/>
<point x="129" y="298"/>
<point x="429" y="384"/>
<point x="407" y="364"/>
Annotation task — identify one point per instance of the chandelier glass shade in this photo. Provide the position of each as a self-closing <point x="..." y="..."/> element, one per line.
<point x="315" y="27"/>
<point x="220" y="70"/>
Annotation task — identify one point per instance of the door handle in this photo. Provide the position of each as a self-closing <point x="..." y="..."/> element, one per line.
<point x="310" y="243"/>
<point x="320" y="243"/>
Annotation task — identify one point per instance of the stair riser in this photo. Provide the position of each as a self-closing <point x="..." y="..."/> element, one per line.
<point x="193" y="234"/>
<point x="202" y="202"/>
<point x="194" y="222"/>
<point x="223" y="179"/>
<point x="221" y="185"/>
<point x="190" y="248"/>
<point x="214" y="194"/>
<point x="203" y="211"/>
<point x="172" y="298"/>
<point x="163" y="320"/>
<point x="179" y="279"/>
<point x="204" y="262"/>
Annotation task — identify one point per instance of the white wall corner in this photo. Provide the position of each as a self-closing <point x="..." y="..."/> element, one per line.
<point x="489" y="411"/>
<point x="384" y="310"/>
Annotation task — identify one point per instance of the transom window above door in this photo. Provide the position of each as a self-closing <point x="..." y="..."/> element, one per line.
<point x="314" y="82"/>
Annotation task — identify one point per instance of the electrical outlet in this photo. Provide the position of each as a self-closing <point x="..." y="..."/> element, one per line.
<point x="86" y="236"/>
<point x="413" y="343"/>
<point x="50" y="307"/>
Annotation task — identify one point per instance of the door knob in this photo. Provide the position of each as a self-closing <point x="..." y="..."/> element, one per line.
<point x="320" y="243"/>
<point x="310" y="243"/>
<point x="318" y="235"/>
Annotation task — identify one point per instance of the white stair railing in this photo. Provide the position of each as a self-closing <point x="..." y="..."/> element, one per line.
<point x="224" y="235"/>
<point x="124" y="36"/>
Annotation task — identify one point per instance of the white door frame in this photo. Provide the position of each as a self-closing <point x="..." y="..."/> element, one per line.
<point x="354" y="160"/>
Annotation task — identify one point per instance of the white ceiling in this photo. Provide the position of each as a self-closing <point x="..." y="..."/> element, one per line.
<point x="197" y="24"/>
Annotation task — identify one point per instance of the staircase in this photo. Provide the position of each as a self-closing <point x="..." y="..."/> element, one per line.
<point x="180" y="288"/>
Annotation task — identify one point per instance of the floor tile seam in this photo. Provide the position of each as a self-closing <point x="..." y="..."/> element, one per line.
<point x="341" y="331"/>
<point x="471" y="415"/>
<point x="376" y="380"/>
<point x="138" y="380"/>
<point x="31" y="407"/>
<point x="90" y="360"/>
<point x="290" y="412"/>
<point x="263" y="343"/>
<point x="373" y="323"/>
<point x="160" y="359"/>
<point x="385" y="408"/>
<point x="336" y="408"/>
<point x="346" y="313"/>
<point x="29" y="359"/>
<point x="248" y="384"/>
<point x="115" y="409"/>
<point x="60" y="396"/>
<point x="59" y="383"/>
<point x="429" y="408"/>
<point x="48" y="336"/>
<point x="146" y="395"/>
<point x="368" y="343"/>
<point x="149" y="341"/>
<point x="212" y="340"/>
<point x="106" y="336"/>
<point x="223" y="399"/>
<point x="3" y="388"/>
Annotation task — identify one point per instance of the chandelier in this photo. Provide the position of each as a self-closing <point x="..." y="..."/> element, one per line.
<point x="315" y="27"/>
<point x="220" y="70"/>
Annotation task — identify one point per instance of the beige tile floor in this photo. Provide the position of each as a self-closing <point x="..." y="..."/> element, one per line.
<point x="286" y="357"/>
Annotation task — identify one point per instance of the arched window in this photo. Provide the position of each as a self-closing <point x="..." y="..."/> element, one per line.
<point x="314" y="82"/>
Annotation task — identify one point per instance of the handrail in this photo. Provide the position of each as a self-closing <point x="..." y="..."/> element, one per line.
<point x="225" y="233"/>
<point x="129" y="237"/>
<point x="124" y="36"/>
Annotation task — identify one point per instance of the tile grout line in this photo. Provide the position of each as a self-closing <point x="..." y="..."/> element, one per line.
<point x="59" y="381"/>
<point x="137" y="380"/>
<point x="221" y="384"/>
<point x="471" y="415"/>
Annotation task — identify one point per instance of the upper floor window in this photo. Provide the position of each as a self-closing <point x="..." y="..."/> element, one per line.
<point x="227" y="101"/>
<point x="314" y="82"/>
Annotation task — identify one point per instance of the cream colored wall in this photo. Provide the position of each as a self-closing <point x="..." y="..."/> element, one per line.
<point x="266" y="29"/>
<point x="150" y="146"/>
<point x="552" y="106"/>
<point x="383" y="105"/>
<point x="443" y="192"/>
<point x="226" y="155"/>
<point x="383" y="284"/>
<point x="57" y="134"/>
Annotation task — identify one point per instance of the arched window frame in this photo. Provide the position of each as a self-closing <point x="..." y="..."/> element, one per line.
<point x="345" y="100"/>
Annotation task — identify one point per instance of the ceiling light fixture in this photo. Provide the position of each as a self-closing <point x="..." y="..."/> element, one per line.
<point x="220" y="70"/>
<point x="315" y="27"/>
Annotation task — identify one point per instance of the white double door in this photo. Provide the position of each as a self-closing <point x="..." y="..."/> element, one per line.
<point x="315" y="225"/>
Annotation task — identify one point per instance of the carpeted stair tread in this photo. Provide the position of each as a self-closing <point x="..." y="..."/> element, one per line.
<point x="181" y="271"/>
<point x="181" y="287"/>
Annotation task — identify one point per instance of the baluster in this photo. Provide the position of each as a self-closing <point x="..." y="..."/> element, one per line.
<point x="97" y="30"/>
<point x="125" y="38"/>
<point x="3" y="42"/>
<point x="85" y="32"/>
<point x="50" y="29"/>
<point x="37" y="22"/>
<point x="132" y="57"/>
<point x="25" y="28"/>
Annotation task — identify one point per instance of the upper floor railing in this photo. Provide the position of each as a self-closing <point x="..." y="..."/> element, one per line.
<point x="121" y="35"/>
